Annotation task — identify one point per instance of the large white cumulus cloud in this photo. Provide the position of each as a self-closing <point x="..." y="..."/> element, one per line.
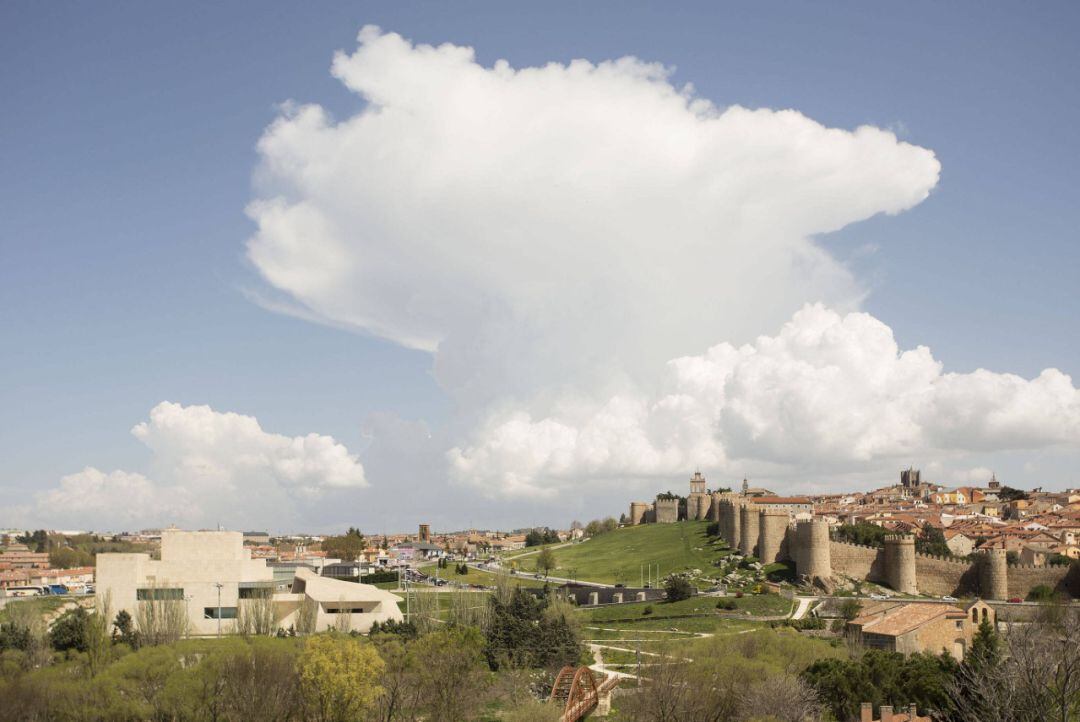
<point x="566" y="225"/>
<point x="829" y="391"/>
<point x="566" y="239"/>
<point x="207" y="467"/>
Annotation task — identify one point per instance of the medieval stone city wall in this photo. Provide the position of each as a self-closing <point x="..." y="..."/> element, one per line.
<point x="857" y="561"/>
<point x="770" y="535"/>
<point x="942" y="576"/>
<point x="1022" y="577"/>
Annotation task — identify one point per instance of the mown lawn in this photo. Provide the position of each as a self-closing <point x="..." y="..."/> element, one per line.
<point x="619" y="556"/>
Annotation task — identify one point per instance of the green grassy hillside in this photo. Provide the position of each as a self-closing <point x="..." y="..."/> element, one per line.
<point x="617" y="557"/>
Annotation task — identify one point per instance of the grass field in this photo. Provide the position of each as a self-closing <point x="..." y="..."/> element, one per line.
<point x="35" y="606"/>
<point x="483" y="578"/>
<point x="617" y="557"/>
<point x="756" y="605"/>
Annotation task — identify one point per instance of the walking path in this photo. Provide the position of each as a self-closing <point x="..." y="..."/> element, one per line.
<point x="803" y="608"/>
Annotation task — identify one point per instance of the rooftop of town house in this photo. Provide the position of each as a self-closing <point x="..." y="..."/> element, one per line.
<point x="893" y="622"/>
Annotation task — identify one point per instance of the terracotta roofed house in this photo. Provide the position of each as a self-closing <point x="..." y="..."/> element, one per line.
<point x="919" y="627"/>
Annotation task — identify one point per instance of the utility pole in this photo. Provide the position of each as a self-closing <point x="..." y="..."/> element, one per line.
<point x="219" y="585"/>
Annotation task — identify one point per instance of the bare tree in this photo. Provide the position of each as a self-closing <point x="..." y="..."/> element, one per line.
<point x="1033" y="677"/>
<point x="469" y="609"/>
<point x="307" y="616"/>
<point x="343" y="618"/>
<point x="256" y="615"/>
<point x="162" y="618"/>
<point x="783" y="697"/>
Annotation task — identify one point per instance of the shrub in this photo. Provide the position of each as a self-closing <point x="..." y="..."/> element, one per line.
<point x="1040" y="593"/>
<point x="647" y="610"/>
<point x="678" y="588"/>
<point x="850" y="609"/>
<point x="726" y="604"/>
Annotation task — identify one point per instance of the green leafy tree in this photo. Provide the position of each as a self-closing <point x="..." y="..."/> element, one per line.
<point x="545" y="561"/>
<point x="339" y="677"/>
<point x="348" y="547"/>
<point x="124" y="629"/>
<point x="863" y="533"/>
<point x="881" y="677"/>
<point x="932" y="541"/>
<point x="69" y="631"/>
<point x="1008" y="493"/>
<point x="520" y="635"/>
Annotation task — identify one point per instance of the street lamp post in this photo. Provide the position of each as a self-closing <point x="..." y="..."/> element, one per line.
<point x="219" y="585"/>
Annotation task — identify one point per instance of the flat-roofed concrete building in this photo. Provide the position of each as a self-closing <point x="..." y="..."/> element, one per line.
<point x="213" y="575"/>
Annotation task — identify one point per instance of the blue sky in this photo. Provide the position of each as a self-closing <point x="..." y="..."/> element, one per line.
<point x="127" y="148"/>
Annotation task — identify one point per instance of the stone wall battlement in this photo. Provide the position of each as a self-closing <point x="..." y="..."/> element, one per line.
<point x="947" y="560"/>
<point x="857" y="546"/>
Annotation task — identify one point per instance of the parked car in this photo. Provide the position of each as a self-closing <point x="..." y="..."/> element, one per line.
<point x="1015" y="600"/>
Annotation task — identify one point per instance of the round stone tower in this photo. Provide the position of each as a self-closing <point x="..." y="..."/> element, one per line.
<point x="772" y="529"/>
<point x="734" y="508"/>
<point x="748" y="534"/>
<point x="637" y="512"/>
<point x="994" y="575"/>
<point x="900" y="563"/>
<point x="813" y="555"/>
<point x="714" y="506"/>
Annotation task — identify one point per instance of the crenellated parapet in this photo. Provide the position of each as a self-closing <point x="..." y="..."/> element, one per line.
<point x="667" y="510"/>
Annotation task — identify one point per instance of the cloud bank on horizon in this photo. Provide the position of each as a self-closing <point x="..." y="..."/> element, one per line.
<point x="206" y="466"/>
<point x="567" y="239"/>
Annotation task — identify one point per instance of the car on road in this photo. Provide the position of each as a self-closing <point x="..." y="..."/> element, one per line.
<point x="878" y="597"/>
<point x="1015" y="600"/>
<point x="947" y="598"/>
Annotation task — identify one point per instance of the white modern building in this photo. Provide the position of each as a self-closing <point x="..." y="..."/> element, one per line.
<point x="214" y="576"/>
